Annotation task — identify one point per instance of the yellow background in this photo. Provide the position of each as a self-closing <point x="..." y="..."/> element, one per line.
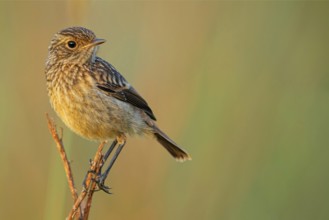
<point x="243" y="86"/>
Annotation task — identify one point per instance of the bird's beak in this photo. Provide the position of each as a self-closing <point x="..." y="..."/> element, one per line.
<point x="95" y="42"/>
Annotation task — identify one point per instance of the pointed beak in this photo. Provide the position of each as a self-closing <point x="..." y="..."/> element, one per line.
<point x="96" y="42"/>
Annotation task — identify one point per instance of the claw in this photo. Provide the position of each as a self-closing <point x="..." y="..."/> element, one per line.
<point x="101" y="185"/>
<point x="100" y="177"/>
<point x="105" y="189"/>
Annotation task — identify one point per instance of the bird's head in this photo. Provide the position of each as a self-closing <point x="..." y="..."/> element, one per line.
<point x="74" y="45"/>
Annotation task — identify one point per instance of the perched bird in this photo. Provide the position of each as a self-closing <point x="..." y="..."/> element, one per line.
<point x="93" y="98"/>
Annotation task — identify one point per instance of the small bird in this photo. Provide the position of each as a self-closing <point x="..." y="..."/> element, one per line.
<point x="93" y="98"/>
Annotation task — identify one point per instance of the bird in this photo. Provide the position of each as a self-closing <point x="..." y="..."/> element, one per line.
<point x="93" y="99"/>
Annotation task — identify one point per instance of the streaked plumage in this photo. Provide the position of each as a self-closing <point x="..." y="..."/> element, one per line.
<point x="92" y="97"/>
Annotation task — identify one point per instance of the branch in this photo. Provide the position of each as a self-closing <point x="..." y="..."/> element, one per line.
<point x="96" y="168"/>
<point x="61" y="150"/>
<point x="90" y="185"/>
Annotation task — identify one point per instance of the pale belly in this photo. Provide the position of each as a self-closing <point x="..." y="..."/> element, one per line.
<point x="97" y="116"/>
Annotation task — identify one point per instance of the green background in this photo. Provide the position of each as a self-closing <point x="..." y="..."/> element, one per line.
<point x="243" y="86"/>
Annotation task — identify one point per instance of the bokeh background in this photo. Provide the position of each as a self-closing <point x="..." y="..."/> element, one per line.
<point x="243" y="86"/>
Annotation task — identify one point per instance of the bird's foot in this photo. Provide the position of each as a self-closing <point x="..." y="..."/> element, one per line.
<point x="101" y="184"/>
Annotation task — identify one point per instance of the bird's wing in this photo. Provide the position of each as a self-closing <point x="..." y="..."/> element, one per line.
<point x="110" y="81"/>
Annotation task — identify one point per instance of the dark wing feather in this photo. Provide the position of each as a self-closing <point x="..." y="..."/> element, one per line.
<point x="130" y="96"/>
<point x="115" y="85"/>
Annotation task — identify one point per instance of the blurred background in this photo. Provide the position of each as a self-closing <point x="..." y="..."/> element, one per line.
<point x="243" y="86"/>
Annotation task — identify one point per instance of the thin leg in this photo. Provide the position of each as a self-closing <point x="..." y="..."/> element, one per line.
<point x="107" y="154"/>
<point x="109" y="151"/>
<point x="107" y="171"/>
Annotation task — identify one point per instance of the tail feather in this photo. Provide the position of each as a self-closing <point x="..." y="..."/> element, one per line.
<point x="178" y="153"/>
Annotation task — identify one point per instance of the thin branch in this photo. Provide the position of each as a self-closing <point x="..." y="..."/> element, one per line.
<point x="90" y="185"/>
<point x="61" y="150"/>
<point x="80" y="209"/>
<point x="98" y="163"/>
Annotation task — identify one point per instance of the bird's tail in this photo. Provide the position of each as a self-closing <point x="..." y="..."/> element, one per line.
<point x="178" y="153"/>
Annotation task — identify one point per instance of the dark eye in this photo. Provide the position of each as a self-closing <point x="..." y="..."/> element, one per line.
<point x="71" y="44"/>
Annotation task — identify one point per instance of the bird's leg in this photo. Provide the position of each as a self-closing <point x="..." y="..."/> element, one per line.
<point x="107" y="154"/>
<point x="122" y="141"/>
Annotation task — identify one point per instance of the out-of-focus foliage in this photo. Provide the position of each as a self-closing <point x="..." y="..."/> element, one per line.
<point x="243" y="86"/>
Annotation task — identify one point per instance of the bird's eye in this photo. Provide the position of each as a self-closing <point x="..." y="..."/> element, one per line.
<point x="71" y="44"/>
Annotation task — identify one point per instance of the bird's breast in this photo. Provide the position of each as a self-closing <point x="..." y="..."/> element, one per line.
<point x="90" y="112"/>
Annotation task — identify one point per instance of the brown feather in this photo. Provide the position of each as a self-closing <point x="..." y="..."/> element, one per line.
<point x="130" y="96"/>
<point x="178" y="153"/>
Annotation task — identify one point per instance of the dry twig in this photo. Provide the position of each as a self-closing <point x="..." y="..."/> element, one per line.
<point x="90" y="185"/>
<point x="80" y="209"/>
<point x="60" y="147"/>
